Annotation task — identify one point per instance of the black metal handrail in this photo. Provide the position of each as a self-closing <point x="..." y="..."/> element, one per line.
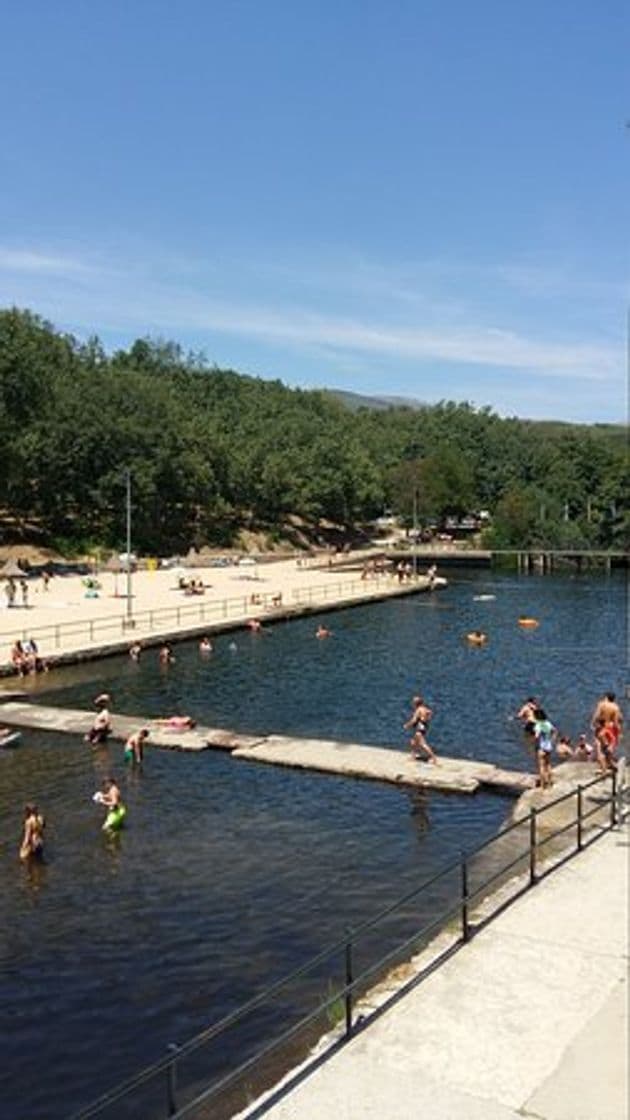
<point x="345" y="946"/>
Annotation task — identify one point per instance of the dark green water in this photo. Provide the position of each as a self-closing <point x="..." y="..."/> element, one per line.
<point x="231" y="874"/>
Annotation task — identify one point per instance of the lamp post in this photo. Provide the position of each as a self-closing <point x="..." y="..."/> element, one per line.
<point x="129" y="616"/>
<point x="415" y="533"/>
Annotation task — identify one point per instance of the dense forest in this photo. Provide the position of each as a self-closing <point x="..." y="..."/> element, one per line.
<point x="211" y="451"/>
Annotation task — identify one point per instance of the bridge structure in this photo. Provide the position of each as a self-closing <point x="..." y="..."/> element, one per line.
<point x="457" y="555"/>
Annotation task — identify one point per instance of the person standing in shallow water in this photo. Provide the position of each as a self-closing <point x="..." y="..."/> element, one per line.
<point x="134" y="747"/>
<point x="32" y="846"/>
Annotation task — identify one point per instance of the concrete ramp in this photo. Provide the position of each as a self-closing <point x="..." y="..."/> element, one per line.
<point x="353" y="760"/>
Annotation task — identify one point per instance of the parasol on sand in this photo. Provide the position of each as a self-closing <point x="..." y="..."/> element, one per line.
<point x="114" y="565"/>
<point x="12" y="570"/>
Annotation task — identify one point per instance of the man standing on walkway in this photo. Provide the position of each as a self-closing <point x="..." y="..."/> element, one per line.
<point x="419" y="720"/>
<point x="608" y="712"/>
<point x="544" y="734"/>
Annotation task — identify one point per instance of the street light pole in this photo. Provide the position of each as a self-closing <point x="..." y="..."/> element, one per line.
<point x="415" y="533"/>
<point x="129" y="618"/>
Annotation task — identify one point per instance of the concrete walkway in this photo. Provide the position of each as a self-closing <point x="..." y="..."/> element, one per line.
<point x="356" y="760"/>
<point x="530" y="1020"/>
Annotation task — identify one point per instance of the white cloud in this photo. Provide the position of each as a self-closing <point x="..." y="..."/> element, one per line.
<point x="153" y="295"/>
<point x="26" y="260"/>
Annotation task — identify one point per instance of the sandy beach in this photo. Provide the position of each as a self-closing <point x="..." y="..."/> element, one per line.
<point x="68" y="617"/>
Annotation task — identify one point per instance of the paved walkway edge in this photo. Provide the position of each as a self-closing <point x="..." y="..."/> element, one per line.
<point x="530" y="1019"/>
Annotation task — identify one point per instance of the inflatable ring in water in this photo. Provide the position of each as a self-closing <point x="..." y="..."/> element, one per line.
<point x="531" y="622"/>
<point x="115" y="819"/>
<point x="476" y="638"/>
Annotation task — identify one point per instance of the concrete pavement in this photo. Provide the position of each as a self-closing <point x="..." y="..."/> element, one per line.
<point x="530" y="1020"/>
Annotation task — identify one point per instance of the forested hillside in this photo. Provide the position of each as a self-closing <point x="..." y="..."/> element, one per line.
<point x="211" y="451"/>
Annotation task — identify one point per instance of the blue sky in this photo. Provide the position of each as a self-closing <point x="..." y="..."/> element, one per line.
<point x="424" y="198"/>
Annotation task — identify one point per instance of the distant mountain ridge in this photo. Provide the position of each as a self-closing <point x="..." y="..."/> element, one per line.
<point x="355" y="401"/>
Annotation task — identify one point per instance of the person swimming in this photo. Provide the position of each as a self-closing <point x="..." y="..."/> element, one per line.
<point x="564" y="748"/>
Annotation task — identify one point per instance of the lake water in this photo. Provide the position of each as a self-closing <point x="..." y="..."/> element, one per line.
<point x="230" y="874"/>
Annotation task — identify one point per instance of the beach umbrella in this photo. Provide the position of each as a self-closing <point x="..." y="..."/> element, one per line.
<point x="114" y="565"/>
<point x="12" y="570"/>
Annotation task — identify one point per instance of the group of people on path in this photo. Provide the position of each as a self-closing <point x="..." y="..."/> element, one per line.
<point x="606" y="726"/>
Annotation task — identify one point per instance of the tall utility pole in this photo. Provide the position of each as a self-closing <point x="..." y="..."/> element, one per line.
<point x="415" y="533"/>
<point x="129" y="618"/>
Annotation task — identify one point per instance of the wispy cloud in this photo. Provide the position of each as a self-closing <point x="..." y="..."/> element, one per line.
<point x="43" y="264"/>
<point x="155" y="296"/>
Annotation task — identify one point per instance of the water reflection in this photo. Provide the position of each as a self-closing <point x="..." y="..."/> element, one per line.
<point x="34" y="870"/>
<point x="419" y="801"/>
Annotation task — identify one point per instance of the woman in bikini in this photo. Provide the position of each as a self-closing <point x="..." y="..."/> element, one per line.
<point x="32" y="846"/>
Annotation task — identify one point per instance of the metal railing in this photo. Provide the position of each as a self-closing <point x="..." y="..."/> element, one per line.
<point x="53" y="637"/>
<point x="323" y="996"/>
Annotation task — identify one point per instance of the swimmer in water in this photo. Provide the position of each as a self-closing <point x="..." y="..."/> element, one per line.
<point x="165" y="656"/>
<point x="32" y="846"/>
<point x="526" y="714"/>
<point x="564" y="748"/>
<point x="205" y="645"/>
<point x="135" y="650"/>
<point x="583" y="749"/>
<point x="322" y="632"/>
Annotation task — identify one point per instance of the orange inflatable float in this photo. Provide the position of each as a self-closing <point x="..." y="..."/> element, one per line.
<point x="532" y="623"/>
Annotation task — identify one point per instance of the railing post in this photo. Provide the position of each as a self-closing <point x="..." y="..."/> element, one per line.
<point x="171" y="1082"/>
<point x="91" y="631"/>
<point x="465" y="925"/>
<point x="57" y="636"/>
<point x="532" y="847"/>
<point x="579" y="818"/>
<point x="348" y="995"/>
<point x="613" y="802"/>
